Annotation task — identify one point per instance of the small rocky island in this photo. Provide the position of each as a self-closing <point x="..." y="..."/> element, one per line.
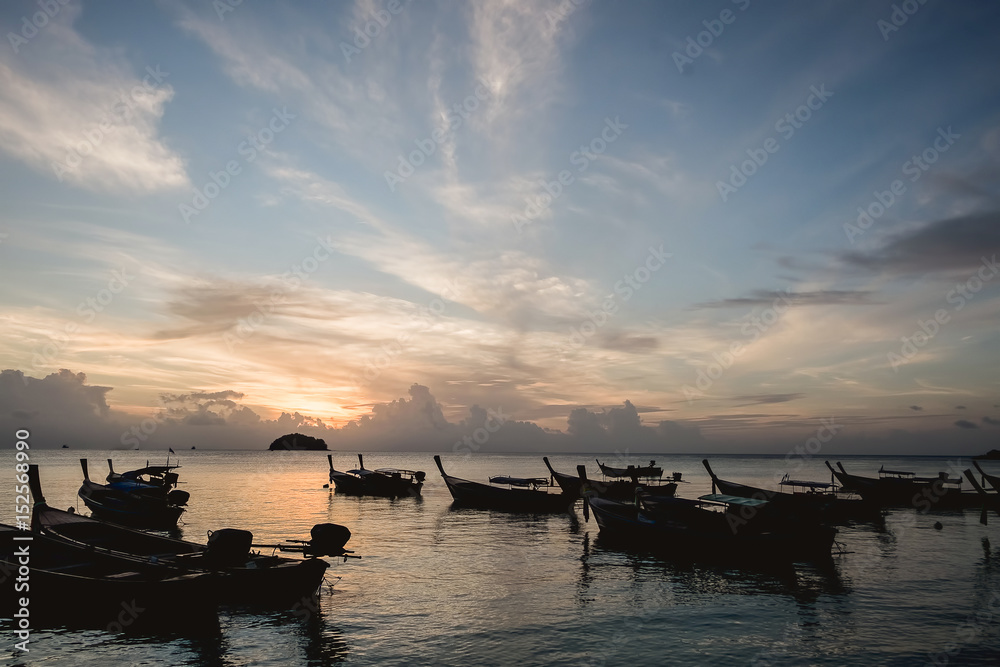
<point x="298" y="442"/>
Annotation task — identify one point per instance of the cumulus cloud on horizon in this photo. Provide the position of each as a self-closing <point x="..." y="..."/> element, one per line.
<point x="62" y="408"/>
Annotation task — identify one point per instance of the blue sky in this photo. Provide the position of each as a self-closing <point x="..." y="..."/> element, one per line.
<point x="211" y="215"/>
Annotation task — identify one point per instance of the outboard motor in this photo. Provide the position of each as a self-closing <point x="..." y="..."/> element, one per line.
<point x="328" y="539"/>
<point x="178" y="497"/>
<point x="228" y="547"/>
<point x="420" y="475"/>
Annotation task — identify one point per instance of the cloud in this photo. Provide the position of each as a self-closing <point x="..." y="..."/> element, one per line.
<point x="765" y="399"/>
<point x="60" y="408"/>
<point x="960" y="407"/>
<point x="621" y="430"/>
<point x="816" y="298"/>
<point x="991" y="421"/>
<point x="916" y="408"/>
<point x="515" y="48"/>
<point x="945" y="245"/>
<point x="629" y="342"/>
<point x="83" y="115"/>
<point x="964" y="423"/>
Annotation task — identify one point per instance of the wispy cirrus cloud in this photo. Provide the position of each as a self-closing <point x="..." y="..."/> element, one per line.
<point x="85" y="116"/>
<point x="809" y="298"/>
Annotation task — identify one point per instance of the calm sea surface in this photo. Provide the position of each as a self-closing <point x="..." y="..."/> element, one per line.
<point x="445" y="586"/>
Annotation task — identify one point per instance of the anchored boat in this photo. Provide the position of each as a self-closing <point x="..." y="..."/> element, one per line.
<point x="244" y="575"/>
<point x="132" y="501"/>
<point x="387" y="482"/>
<point x="78" y="587"/>
<point x="515" y="494"/>
<point x="618" y="489"/>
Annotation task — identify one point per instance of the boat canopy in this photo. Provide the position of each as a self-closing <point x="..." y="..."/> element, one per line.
<point x="155" y="471"/>
<point x="393" y="471"/>
<point x="733" y="500"/>
<point x="520" y="481"/>
<point x="805" y="484"/>
<point x="898" y="473"/>
<point x="942" y="476"/>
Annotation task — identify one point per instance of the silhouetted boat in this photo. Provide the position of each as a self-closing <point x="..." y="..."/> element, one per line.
<point x="620" y="489"/>
<point x="132" y="501"/>
<point x="987" y="499"/>
<point x="991" y="480"/>
<point x="388" y="482"/>
<point x="898" y="488"/>
<point x="631" y="471"/>
<point x="150" y="477"/>
<point x="244" y="575"/>
<point x="515" y="494"/>
<point x="76" y="587"/>
<point x="803" y="498"/>
<point x="570" y="484"/>
<point x="713" y="527"/>
<point x="849" y="482"/>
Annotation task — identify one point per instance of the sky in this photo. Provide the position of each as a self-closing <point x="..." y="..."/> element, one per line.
<point x="502" y="225"/>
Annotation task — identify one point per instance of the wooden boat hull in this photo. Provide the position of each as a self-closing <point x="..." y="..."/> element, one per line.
<point x="384" y="486"/>
<point x="821" y="506"/>
<point x="922" y="495"/>
<point x="375" y="483"/>
<point x="130" y="503"/>
<point x="570" y="484"/>
<point x="625" y="490"/>
<point x="703" y="537"/>
<point x="616" y="490"/>
<point x="631" y="471"/>
<point x="253" y="578"/>
<point x="71" y="587"/>
<point x="485" y="496"/>
<point x="991" y="480"/>
<point x="129" y="509"/>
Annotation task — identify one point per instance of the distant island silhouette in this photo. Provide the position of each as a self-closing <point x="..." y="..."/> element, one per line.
<point x="298" y="441"/>
<point x="992" y="455"/>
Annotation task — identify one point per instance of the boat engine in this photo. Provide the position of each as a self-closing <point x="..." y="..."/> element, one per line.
<point x="228" y="547"/>
<point x="328" y="539"/>
<point x="420" y="475"/>
<point x="178" y="497"/>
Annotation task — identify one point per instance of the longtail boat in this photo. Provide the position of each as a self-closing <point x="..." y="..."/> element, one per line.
<point x="989" y="500"/>
<point x="386" y="482"/>
<point x="899" y="488"/>
<point x="130" y="501"/>
<point x="631" y="471"/>
<point x="991" y="480"/>
<point x="244" y="575"/>
<point x="79" y="588"/>
<point x="824" y="500"/>
<point x="713" y="527"/>
<point x="514" y="494"/>
<point x="619" y="489"/>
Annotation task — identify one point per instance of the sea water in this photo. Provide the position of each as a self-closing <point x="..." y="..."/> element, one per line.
<point x="439" y="585"/>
